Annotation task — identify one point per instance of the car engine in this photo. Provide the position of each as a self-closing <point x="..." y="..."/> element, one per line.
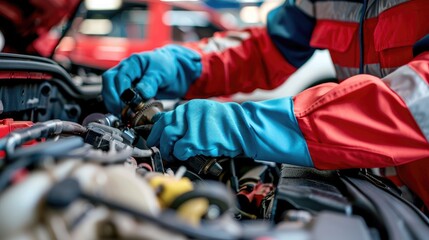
<point x="70" y="170"/>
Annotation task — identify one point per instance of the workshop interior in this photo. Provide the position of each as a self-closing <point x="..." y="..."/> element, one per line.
<point x="69" y="169"/>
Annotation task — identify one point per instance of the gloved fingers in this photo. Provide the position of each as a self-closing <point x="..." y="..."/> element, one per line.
<point x="161" y="121"/>
<point x="168" y="127"/>
<point x="157" y="129"/>
<point x="156" y="117"/>
<point x="110" y="92"/>
<point x="168" y="139"/>
<point x="147" y="87"/>
<point x="133" y="68"/>
<point x="119" y="78"/>
<point x="122" y="81"/>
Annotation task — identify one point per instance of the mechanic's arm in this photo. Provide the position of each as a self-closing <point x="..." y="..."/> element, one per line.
<point x="229" y="62"/>
<point x="256" y="57"/>
<point x="363" y="122"/>
<point x="366" y="122"/>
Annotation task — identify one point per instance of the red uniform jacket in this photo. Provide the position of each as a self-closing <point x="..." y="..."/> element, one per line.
<point x="377" y="115"/>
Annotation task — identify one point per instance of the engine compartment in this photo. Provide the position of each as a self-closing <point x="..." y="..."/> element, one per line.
<point x="70" y="170"/>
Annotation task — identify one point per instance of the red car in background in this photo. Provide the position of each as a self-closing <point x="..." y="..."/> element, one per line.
<point x="99" y="38"/>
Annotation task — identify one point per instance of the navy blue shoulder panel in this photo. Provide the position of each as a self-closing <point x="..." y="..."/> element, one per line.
<point x="421" y="46"/>
<point x="290" y="29"/>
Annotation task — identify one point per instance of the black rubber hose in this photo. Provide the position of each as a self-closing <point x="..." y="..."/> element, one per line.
<point x="40" y="130"/>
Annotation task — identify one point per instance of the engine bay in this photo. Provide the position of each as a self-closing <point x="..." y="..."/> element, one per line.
<point x="70" y="170"/>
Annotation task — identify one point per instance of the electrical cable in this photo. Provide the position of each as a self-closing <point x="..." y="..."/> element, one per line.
<point x="248" y="215"/>
<point x="40" y="130"/>
<point x="141" y="153"/>
<point x="234" y="179"/>
<point x="193" y="176"/>
<point x="56" y="148"/>
<point x="104" y="158"/>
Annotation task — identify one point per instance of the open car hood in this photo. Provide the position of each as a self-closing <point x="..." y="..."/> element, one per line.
<point x="26" y="24"/>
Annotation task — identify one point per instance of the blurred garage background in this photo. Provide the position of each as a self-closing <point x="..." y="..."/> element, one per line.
<point x="103" y="32"/>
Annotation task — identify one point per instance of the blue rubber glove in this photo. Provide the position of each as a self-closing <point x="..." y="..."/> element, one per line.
<point x="265" y="130"/>
<point x="164" y="73"/>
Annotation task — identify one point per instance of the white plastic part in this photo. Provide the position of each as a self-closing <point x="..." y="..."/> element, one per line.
<point x="19" y="205"/>
<point x="118" y="184"/>
<point x="103" y="4"/>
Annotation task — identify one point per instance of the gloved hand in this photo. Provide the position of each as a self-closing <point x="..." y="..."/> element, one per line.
<point x="261" y="130"/>
<point x="165" y="73"/>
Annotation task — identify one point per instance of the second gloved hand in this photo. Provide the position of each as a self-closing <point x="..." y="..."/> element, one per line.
<point x="165" y="73"/>
<point x="261" y="130"/>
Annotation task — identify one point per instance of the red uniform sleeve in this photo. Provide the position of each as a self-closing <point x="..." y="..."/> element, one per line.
<point x="367" y="122"/>
<point x="238" y="61"/>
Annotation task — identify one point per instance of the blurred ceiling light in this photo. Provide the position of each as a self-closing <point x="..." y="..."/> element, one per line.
<point x="103" y="4"/>
<point x="229" y="20"/>
<point x="186" y="18"/>
<point x="96" y="26"/>
<point x="250" y="14"/>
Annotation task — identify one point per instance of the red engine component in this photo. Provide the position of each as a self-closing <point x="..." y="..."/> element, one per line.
<point x="254" y="194"/>
<point x="7" y="126"/>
